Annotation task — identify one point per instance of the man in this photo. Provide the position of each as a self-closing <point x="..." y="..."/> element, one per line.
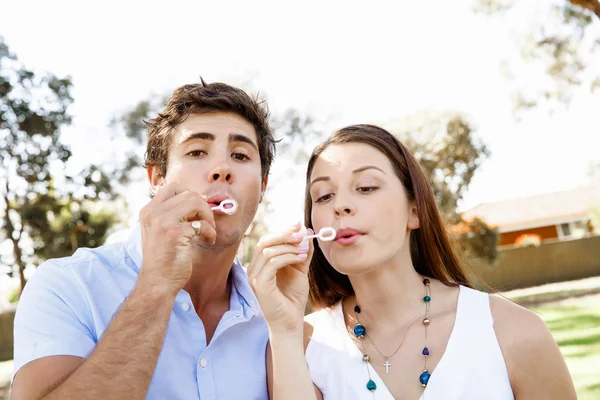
<point x="169" y="313"/>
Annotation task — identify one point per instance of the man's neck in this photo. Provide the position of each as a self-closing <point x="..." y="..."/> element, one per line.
<point x="210" y="285"/>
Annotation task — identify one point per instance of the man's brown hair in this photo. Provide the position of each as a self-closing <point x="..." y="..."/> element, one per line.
<point x="200" y="98"/>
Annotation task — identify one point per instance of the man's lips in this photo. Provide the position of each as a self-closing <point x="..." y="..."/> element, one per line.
<point x="215" y="201"/>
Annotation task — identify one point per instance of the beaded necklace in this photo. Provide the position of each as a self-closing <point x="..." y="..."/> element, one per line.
<point x="361" y="332"/>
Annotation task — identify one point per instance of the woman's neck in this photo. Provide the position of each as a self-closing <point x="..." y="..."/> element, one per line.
<point x="390" y="295"/>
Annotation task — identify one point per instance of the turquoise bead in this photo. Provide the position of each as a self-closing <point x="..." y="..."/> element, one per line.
<point x="359" y="331"/>
<point x="424" y="378"/>
<point x="426" y="299"/>
<point x="371" y="385"/>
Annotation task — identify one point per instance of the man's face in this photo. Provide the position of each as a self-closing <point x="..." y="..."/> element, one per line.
<point x="216" y="154"/>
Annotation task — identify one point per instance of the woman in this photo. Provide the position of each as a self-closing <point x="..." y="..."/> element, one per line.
<point x="397" y="316"/>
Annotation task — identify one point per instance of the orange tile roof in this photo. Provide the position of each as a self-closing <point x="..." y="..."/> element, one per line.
<point x="538" y="209"/>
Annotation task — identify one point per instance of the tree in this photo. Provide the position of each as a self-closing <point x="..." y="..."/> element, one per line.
<point x="129" y="127"/>
<point x="445" y="145"/>
<point x="559" y="43"/>
<point x="45" y="211"/>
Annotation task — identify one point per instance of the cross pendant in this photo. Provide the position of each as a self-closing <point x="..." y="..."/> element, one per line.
<point x="387" y="366"/>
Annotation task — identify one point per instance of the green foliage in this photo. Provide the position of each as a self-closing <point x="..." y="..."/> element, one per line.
<point x="447" y="150"/>
<point x="445" y="145"/>
<point x="558" y="41"/>
<point x="44" y="211"/>
<point x="14" y="296"/>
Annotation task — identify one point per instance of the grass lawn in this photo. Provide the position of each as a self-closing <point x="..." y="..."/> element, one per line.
<point x="575" y="324"/>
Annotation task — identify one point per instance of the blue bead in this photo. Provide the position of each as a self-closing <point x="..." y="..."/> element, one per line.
<point x="359" y="331"/>
<point x="424" y="378"/>
<point x="426" y="299"/>
<point x="425" y="351"/>
<point x="371" y="385"/>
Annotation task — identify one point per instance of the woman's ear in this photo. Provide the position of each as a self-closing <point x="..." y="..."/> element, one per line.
<point x="413" y="217"/>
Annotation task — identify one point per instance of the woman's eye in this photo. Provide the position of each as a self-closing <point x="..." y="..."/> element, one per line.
<point x="324" y="198"/>
<point x="367" y="189"/>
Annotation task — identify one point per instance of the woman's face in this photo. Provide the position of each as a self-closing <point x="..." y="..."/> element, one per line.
<point x="354" y="189"/>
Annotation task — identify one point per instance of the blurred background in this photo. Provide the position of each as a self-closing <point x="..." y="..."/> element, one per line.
<point x="498" y="99"/>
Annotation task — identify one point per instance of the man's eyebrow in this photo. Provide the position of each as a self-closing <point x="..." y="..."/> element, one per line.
<point x="233" y="137"/>
<point x="236" y="137"/>
<point x="200" y="135"/>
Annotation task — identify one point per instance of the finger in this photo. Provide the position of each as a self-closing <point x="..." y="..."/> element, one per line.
<point x="180" y="234"/>
<point x="266" y="279"/>
<point x="188" y="206"/>
<point x="291" y="236"/>
<point x="305" y="265"/>
<point x="167" y="191"/>
<point x="206" y="231"/>
<point x="311" y="249"/>
<point x="262" y="257"/>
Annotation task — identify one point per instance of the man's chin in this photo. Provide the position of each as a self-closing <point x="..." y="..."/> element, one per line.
<point x="222" y="243"/>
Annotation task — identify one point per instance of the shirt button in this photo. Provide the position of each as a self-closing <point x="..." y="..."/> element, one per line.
<point x="203" y="363"/>
<point x="185" y="306"/>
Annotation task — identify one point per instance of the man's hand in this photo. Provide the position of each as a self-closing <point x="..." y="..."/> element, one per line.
<point x="167" y="235"/>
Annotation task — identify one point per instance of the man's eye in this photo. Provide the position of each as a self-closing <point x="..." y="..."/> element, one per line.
<point x="196" y="153"/>
<point x="240" y="156"/>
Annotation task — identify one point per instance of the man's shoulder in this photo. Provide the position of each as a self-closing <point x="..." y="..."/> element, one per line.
<point x="83" y="275"/>
<point x="108" y="255"/>
<point x="86" y="265"/>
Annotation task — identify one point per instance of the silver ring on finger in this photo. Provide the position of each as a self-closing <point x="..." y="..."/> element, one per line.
<point x="196" y="225"/>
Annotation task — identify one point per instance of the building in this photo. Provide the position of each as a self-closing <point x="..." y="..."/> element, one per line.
<point x="558" y="216"/>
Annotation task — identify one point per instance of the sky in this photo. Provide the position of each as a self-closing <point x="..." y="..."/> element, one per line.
<point x="344" y="62"/>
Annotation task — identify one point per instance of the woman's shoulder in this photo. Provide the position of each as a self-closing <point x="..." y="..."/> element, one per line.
<point x="517" y="328"/>
<point x="319" y="314"/>
<point x="529" y="349"/>
<point x="319" y="320"/>
<point x="515" y="323"/>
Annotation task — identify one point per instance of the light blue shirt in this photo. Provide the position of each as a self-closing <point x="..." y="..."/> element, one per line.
<point x="69" y="302"/>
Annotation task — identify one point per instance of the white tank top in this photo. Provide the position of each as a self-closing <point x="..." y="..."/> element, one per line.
<point x="471" y="368"/>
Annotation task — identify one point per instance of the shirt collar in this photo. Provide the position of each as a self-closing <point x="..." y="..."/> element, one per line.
<point x="240" y="286"/>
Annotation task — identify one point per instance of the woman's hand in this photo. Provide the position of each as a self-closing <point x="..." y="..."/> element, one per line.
<point x="278" y="274"/>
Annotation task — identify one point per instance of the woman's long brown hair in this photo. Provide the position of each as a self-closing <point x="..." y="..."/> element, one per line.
<point x="430" y="248"/>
